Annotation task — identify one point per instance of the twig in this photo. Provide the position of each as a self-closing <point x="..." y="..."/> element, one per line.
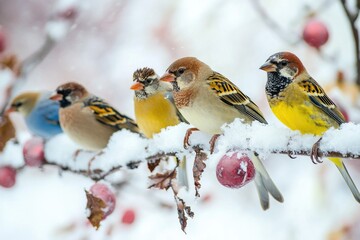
<point x="352" y="17"/>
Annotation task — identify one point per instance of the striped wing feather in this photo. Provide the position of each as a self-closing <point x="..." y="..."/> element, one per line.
<point x="107" y="115"/>
<point x="319" y="98"/>
<point x="232" y="96"/>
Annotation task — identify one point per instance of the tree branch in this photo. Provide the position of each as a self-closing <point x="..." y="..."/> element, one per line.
<point x="355" y="33"/>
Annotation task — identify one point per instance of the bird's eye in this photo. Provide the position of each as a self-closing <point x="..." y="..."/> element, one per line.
<point x="149" y="80"/>
<point x="283" y="63"/>
<point x="181" y="71"/>
<point x="17" y="105"/>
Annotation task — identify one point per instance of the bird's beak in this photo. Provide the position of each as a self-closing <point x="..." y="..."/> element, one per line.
<point x="268" y="67"/>
<point x="10" y="110"/>
<point x="137" y="86"/>
<point x="168" y="77"/>
<point x="56" y="97"/>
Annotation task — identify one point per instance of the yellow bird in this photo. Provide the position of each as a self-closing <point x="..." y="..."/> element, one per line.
<point x="155" y="109"/>
<point x="300" y="103"/>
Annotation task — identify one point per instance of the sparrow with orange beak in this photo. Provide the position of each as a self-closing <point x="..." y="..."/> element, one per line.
<point x="208" y="100"/>
<point x="87" y="119"/>
<point x="155" y="109"/>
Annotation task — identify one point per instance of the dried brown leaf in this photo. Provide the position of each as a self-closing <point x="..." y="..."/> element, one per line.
<point x="162" y="180"/>
<point x="183" y="211"/>
<point x="11" y="62"/>
<point x="7" y="131"/>
<point x="153" y="163"/>
<point x="95" y="206"/>
<point x="198" y="168"/>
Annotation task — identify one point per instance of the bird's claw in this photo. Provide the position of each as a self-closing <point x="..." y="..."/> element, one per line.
<point x="212" y="142"/>
<point x="315" y="153"/>
<point x="291" y="156"/>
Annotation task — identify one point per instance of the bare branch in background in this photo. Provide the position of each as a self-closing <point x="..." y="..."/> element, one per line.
<point x="352" y="17"/>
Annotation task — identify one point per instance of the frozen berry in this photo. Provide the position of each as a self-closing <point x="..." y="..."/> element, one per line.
<point x="234" y="170"/>
<point x="315" y="33"/>
<point x="33" y="152"/>
<point x="103" y="192"/>
<point x="128" y="217"/>
<point x="7" y="176"/>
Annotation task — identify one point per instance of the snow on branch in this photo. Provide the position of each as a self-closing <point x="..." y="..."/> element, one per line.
<point x="128" y="150"/>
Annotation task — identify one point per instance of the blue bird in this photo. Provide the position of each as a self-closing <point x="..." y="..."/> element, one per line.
<point x="41" y="114"/>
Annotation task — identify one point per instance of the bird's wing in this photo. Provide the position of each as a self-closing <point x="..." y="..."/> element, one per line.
<point x="319" y="98"/>
<point x="107" y="115"/>
<point x="232" y="96"/>
<point x="169" y="96"/>
<point x="49" y="110"/>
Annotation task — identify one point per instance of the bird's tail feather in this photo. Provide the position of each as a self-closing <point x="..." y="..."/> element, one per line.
<point x="344" y="172"/>
<point x="262" y="191"/>
<point x="182" y="173"/>
<point x="264" y="182"/>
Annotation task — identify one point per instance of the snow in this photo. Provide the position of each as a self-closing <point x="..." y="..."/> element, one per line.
<point x="112" y="38"/>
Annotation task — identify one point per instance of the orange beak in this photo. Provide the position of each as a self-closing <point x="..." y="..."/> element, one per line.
<point x="9" y="110"/>
<point x="56" y="97"/>
<point x="268" y="67"/>
<point x="168" y="77"/>
<point x="137" y="86"/>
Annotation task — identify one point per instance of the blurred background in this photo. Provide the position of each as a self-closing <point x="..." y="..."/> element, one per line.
<point x="101" y="43"/>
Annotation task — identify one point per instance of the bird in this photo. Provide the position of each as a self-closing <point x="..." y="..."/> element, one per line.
<point x="300" y="103"/>
<point x="208" y="100"/>
<point x="155" y="108"/>
<point x="87" y="119"/>
<point x="40" y="113"/>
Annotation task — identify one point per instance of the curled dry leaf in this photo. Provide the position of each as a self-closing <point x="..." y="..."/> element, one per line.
<point x="198" y="168"/>
<point x="95" y="206"/>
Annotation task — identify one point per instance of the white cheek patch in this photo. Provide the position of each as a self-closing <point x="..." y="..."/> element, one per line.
<point x="287" y="73"/>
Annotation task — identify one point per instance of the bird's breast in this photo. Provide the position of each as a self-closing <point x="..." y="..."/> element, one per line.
<point x="154" y="113"/>
<point x="208" y="113"/>
<point x="81" y="126"/>
<point x="295" y="110"/>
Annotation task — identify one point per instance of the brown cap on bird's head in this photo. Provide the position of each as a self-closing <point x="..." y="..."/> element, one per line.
<point x="69" y="92"/>
<point x="281" y="60"/>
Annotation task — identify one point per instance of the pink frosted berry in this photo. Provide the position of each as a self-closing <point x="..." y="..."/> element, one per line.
<point x="7" y="176"/>
<point x="234" y="170"/>
<point x="315" y="33"/>
<point x="33" y="152"/>
<point x="103" y="192"/>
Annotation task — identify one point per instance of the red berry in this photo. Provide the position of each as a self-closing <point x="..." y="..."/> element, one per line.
<point x="234" y="170"/>
<point x="33" y="152"/>
<point x="315" y="33"/>
<point x="128" y="217"/>
<point x="2" y="39"/>
<point x="7" y="176"/>
<point x="103" y="192"/>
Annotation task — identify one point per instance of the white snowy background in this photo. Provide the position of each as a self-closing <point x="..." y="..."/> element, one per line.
<point x="107" y="42"/>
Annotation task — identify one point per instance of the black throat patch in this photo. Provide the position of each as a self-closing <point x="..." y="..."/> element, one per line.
<point x="276" y="83"/>
<point x="175" y="86"/>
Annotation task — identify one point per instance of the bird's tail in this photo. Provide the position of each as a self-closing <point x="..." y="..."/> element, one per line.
<point x="344" y="172"/>
<point x="264" y="184"/>
<point x="182" y="173"/>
